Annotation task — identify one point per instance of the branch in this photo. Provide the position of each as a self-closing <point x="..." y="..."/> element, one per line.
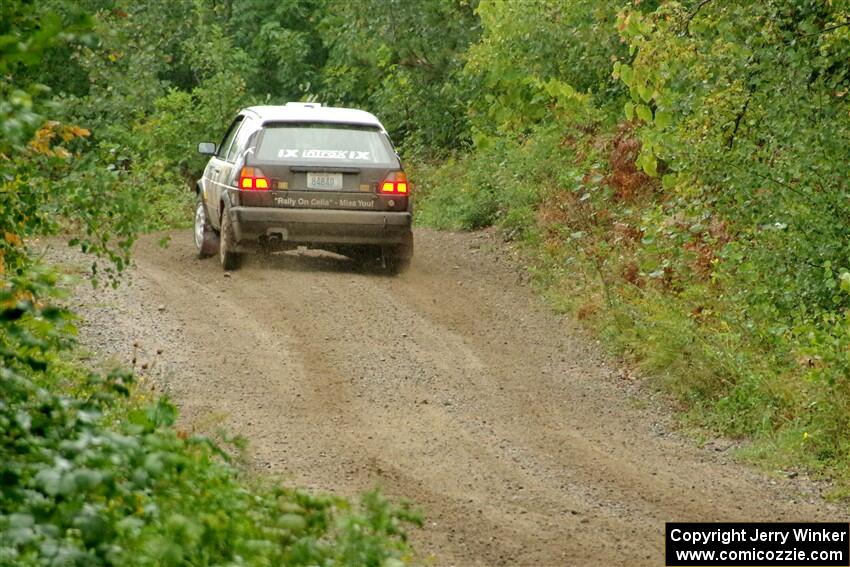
<point x="740" y="117"/>
<point x="815" y="34"/>
<point x="693" y="15"/>
<point x="826" y="30"/>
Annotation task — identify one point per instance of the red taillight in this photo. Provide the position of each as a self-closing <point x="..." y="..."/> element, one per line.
<point x="394" y="184"/>
<point x="252" y="179"/>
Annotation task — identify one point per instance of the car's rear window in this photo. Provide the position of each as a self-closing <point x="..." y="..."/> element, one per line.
<point x="321" y="143"/>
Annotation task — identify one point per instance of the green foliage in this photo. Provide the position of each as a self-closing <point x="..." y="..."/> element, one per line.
<point x="46" y="174"/>
<point x="535" y="58"/>
<point x="767" y="157"/>
<point x="750" y="124"/>
<point x="286" y="49"/>
<point x="497" y="185"/>
<point x="402" y="60"/>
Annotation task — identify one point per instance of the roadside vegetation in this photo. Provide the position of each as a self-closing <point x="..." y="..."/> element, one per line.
<point x="676" y="171"/>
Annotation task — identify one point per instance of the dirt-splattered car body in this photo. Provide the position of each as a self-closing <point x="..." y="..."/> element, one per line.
<point x="304" y="175"/>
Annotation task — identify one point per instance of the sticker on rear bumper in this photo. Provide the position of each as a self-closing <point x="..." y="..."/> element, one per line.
<point x="324" y="203"/>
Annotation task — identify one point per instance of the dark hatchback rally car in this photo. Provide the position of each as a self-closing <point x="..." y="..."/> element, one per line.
<point x="304" y="175"/>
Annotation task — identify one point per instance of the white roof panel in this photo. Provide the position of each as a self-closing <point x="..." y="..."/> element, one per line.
<point x="306" y="113"/>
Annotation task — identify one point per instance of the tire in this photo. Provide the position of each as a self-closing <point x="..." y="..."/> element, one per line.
<point x="230" y="259"/>
<point x="397" y="258"/>
<point x="206" y="240"/>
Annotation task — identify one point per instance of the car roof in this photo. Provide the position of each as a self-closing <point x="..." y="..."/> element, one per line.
<point x="313" y="112"/>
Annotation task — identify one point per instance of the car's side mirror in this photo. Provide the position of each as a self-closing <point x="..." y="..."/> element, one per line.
<point x="206" y="148"/>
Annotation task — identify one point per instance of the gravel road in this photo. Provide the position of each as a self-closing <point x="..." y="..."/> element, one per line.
<point x="451" y="385"/>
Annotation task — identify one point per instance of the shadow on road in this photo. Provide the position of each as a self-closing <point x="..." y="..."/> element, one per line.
<point x="315" y="261"/>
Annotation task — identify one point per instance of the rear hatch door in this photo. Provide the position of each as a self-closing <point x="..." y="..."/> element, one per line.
<point x="323" y="166"/>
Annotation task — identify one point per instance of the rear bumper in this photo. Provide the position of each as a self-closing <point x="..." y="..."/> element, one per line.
<point x="320" y="226"/>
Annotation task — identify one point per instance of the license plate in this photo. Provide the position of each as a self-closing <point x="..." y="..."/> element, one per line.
<point x="328" y="181"/>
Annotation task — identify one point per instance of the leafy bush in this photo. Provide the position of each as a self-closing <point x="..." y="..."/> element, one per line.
<point x="532" y="54"/>
<point x="402" y="61"/>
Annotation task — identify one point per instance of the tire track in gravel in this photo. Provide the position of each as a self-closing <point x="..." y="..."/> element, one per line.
<point x="451" y="386"/>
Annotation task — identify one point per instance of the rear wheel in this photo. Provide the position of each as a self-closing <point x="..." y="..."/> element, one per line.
<point x="230" y="258"/>
<point x="206" y="240"/>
